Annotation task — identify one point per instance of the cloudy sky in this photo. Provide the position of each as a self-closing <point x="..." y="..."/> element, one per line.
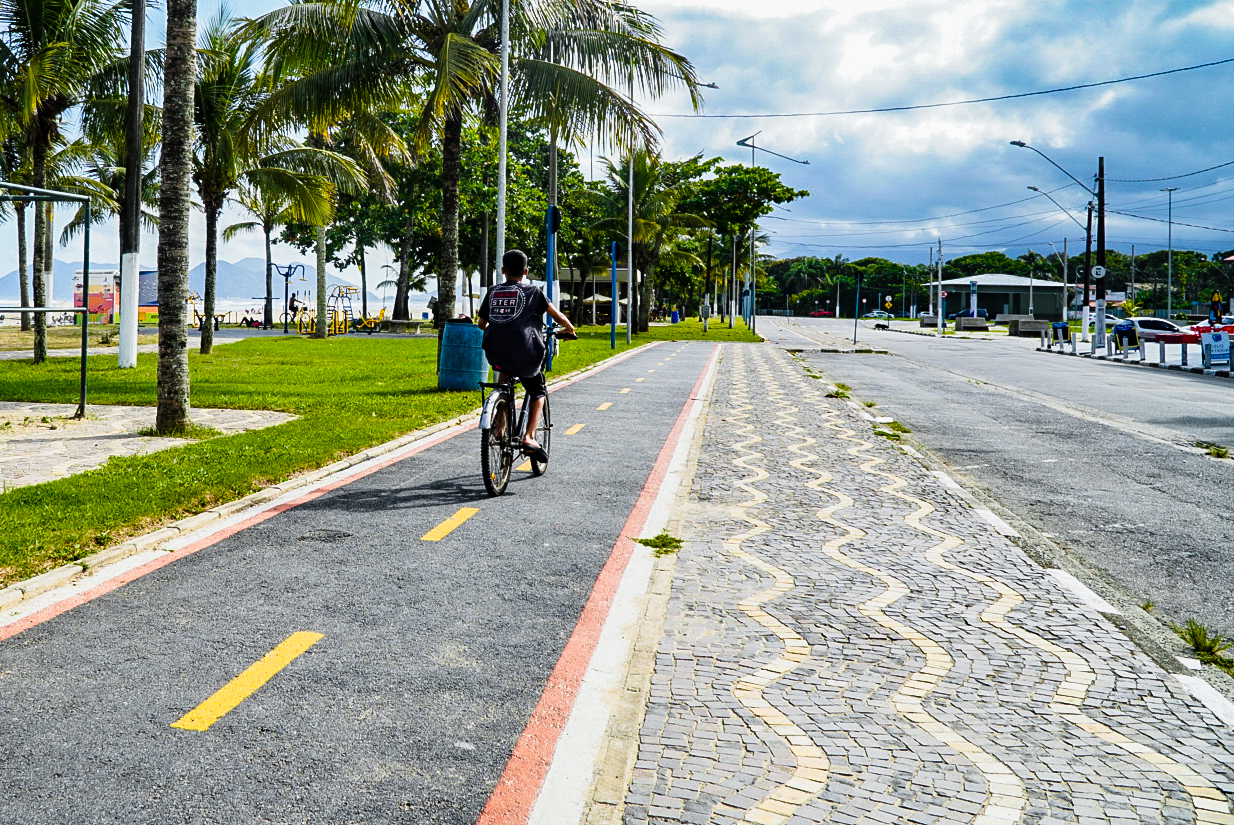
<point x="893" y="184"/>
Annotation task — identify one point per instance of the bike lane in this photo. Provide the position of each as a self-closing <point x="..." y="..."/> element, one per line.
<point x="420" y="660"/>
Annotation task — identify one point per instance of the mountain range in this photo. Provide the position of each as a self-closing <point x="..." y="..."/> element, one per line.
<point x="242" y="281"/>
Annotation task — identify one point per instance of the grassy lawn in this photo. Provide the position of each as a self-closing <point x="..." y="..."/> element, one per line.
<point x="63" y="337"/>
<point x="351" y="393"/>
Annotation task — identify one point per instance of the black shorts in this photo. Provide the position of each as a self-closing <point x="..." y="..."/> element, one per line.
<point x="536" y="385"/>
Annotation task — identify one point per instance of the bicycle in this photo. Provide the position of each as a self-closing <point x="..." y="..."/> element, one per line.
<point x="501" y="436"/>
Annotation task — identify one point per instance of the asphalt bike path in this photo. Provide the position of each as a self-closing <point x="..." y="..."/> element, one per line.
<point x="372" y="654"/>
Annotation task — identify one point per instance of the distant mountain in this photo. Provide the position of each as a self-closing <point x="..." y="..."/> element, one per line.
<point x="245" y="280"/>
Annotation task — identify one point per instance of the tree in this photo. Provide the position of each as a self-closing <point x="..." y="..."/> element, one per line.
<point x="232" y="146"/>
<point x="176" y="167"/>
<point x="54" y="56"/>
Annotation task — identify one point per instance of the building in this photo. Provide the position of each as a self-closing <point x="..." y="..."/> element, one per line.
<point x="1001" y="294"/>
<point x="105" y="295"/>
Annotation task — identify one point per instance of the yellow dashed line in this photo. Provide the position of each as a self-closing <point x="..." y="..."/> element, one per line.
<point x="650" y="370"/>
<point x="636" y="380"/>
<point x="247" y="683"/>
<point x="446" y="527"/>
<point x="624" y="391"/>
<point x="525" y="467"/>
<point x="605" y="405"/>
<point x="575" y="429"/>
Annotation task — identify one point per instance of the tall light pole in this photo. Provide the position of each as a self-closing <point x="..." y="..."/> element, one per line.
<point x="1169" y="284"/>
<point x="1063" y="259"/>
<point x="1099" y="270"/>
<point x="504" y="121"/>
<point x="753" y="282"/>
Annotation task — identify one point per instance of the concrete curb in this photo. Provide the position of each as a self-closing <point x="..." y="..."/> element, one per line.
<point x="1194" y="370"/>
<point x="14" y="594"/>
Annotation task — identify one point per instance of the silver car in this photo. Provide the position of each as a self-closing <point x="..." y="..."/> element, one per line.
<point x="1148" y="328"/>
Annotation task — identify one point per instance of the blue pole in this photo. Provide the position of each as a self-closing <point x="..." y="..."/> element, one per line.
<point x="548" y="277"/>
<point x="612" y="315"/>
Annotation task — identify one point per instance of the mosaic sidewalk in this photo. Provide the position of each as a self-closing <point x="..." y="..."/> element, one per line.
<point x="849" y="642"/>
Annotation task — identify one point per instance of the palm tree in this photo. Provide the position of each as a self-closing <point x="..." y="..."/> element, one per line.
<point x="176" y="165"/>
<point x="658" y="223"/>
<point x="451" y="48"/>
<point x="54" y="54"/>
<point x="232" y="146"/>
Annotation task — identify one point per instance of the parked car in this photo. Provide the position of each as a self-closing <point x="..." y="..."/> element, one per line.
<point x="1110" y="321"/>
<point x="968" y="313"/>
<point x="822" y="313"/>
<point x="1147" y="327"/>
<point x="878" y="313"/>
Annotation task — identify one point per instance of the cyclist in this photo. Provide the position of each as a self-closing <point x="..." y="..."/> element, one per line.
<point x="513" y="341"/>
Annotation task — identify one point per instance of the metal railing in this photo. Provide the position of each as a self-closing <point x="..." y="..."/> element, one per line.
<point x="81" y="404"/>
<point x="34" y="194"/>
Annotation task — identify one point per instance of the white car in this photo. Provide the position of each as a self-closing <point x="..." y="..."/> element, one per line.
<point x="878" y="313"/>
<point x="1147" y="327"/>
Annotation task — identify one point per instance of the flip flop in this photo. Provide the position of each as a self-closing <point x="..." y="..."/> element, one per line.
<point x="537" y="452"/>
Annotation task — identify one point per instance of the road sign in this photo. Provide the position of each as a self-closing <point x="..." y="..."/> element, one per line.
<point x="944" y="293"/>
<point x="1098" y="271"/>
<point x="887" y="305"/>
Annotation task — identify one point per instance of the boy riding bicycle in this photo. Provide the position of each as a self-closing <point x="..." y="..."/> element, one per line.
<point x="513" y="342"/>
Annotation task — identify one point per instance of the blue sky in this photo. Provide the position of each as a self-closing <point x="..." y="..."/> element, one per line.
<point x="884" y="184"/>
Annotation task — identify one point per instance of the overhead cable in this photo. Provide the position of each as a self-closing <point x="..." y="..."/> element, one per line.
<point x="917" y="106"/>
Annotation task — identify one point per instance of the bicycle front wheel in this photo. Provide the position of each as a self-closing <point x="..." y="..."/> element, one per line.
<point x="496" y="454"/>
<point x="544" y="437"/>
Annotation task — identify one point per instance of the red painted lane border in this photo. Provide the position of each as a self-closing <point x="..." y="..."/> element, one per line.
<point x="520" y="782"/>
<point x="50" y="612"/>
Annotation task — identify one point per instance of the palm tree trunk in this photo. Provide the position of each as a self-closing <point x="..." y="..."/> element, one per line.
<point x="363" y="279"/>
<point x="212" y="273"/>
<point x="39" y="171"/>
<point x="451" y="169"/>
<point x="402" y="286"/>
<point x="268" y="316"/>
<point x="174" y="202"/>
<point x="322" y="329"/>
<point x="23" y="273"/>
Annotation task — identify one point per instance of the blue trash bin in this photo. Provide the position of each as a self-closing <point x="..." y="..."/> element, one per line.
<point x="461" y="365"/>
<point x="676" y="316"/>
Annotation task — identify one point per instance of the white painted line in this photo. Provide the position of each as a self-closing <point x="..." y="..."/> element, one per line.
<point x="568" y="784"/>
<point x="947" y="481"/>
<point x="883" y="419"/>
<point x="1190" y="664"/>
<point x="1221" y="707"/>
<point x="996" y="522"/>
<point x="1081" y="591"/>
<point x="910" y="451"/>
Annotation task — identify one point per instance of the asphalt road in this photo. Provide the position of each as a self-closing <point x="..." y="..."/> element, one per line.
<point x="1098" y="457"/>
<point x="432" y="658"/>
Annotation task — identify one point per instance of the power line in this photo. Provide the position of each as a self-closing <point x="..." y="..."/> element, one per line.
<point x="1162" y="220"/>
<point x="1171" y="177"/>
<point x="962" y="102"/>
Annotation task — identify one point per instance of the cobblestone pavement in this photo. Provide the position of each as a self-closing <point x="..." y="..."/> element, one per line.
<point x="41" y="442"/>
<point x="848" y="642"/>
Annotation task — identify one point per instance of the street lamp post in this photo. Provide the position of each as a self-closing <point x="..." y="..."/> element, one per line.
<point x="749" y="141"/>
<point x="1099" y="271"/>
<point x="1169" y="266"/>
<point x="1063" y="260"/>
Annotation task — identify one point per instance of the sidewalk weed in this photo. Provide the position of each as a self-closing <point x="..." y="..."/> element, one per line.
<point x="662" y="544"/>
<point x="897" y="426"/>
<point x="869" y="403"/>
<point x="1207" y="644"/>
<point x="840" y="391"/>
<point x="1214" y="450"/>
<point x="890" y="435"/>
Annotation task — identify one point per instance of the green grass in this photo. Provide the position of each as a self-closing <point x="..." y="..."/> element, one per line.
<point x="351" y="393"/>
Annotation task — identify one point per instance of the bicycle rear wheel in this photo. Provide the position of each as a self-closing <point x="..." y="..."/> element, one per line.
<point x="544" y="437"/>
<point x="496" y="454"/>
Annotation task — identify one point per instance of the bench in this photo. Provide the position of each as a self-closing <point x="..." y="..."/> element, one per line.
<point x="1006" y="318"/>
<point x="971" y="325"/>
<point x="928" y="320"/>
<point x="1027" y="328"/>
<point x="411" y="327"/>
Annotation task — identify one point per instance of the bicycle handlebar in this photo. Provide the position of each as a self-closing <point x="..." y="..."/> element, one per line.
<point x="565" y="336"/>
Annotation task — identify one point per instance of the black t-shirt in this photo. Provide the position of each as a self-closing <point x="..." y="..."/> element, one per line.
<point x="513" y="342"/>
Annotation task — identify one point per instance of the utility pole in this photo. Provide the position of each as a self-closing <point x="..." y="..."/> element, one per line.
<point x="942" y="305"/>
<point x="1099" y="273"/>
<point x="1169" y="284"/>
<point x="1088" y="268"/>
